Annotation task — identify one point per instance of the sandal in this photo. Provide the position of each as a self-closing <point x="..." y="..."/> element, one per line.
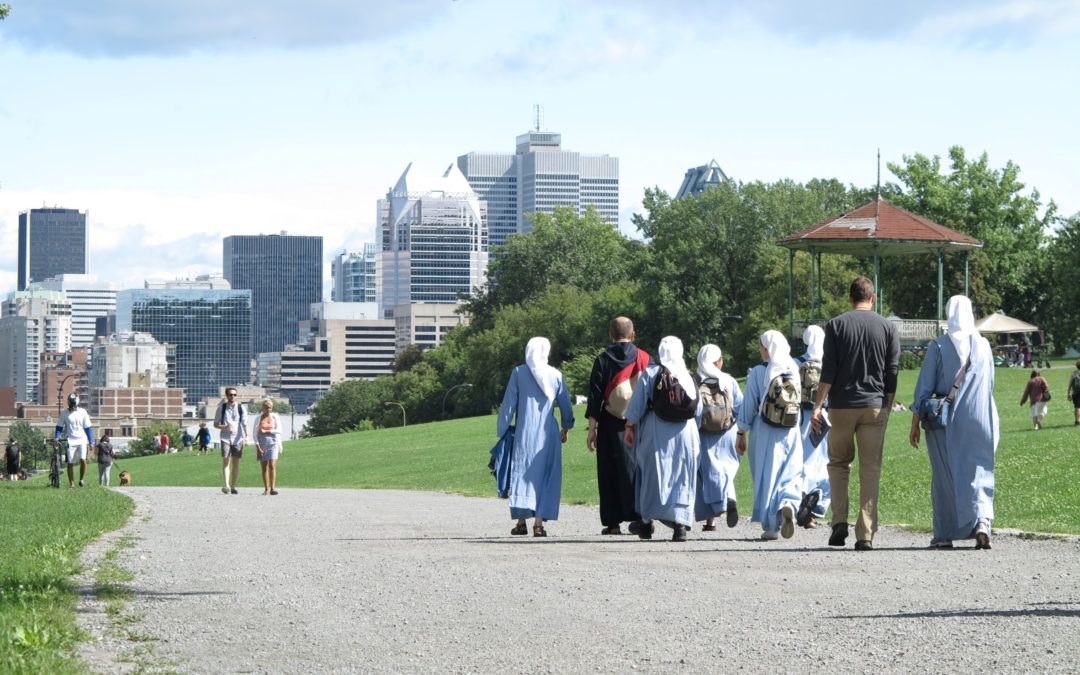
<point x="539" y="531"/>
<point x="520" y="528"/>
<point x="611" y="529"/>
<point x="708" y="528"/>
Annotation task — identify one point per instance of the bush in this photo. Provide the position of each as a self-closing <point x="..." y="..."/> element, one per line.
<point x="35" y="454"/>
<point x="144" y="444"/>
<point x="910" y="361"/>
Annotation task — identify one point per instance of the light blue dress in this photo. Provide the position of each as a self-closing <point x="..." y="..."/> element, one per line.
<point x="962" y="454"/>
<point x="775" y="455"/>
<point x="815" y="459"/>
<point x="666" y="455"/>
<point x="536" y="468"/>
<point x="718" y="463"/>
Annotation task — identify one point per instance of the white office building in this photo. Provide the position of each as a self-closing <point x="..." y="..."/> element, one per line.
<point x="538" y="177"/>
<point x="433" y="239"/>
<point x="89" y="299"/>
<point x="31" y="322"/>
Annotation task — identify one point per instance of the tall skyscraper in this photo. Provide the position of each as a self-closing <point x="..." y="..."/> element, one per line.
<point x="90" y="299"/>
<point x="285" y="276"/>
<point x="208" y="323"/>
<point x="51" y="242"/>
<point x="538" y="177"/>
<point x="434" y="240"/>
<point x="701" y="178"/>
<point x="31" y="322"/>
<point x="353" y="273"/>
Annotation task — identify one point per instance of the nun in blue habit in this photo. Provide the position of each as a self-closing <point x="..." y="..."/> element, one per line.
<point x="815" y="457"/>
<point x="717" y="460"/>
<point x="532" y="393"/>
<point x="961" y="454"/>
<point x="666" y="451"/>
<point x="775" y="453"/>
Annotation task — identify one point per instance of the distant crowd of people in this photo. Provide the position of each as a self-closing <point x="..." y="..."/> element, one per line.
<point x="669" y="442"/>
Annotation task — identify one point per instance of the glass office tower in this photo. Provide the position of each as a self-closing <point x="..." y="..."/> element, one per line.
<point x="285" y="276"/>
<point x="51" y="242"/>
<point x="209" y="327"/>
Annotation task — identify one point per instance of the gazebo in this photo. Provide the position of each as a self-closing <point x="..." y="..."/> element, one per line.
<point x="874" y="230"/>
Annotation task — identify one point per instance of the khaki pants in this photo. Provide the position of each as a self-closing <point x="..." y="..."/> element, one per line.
<point x="867" y="427"/>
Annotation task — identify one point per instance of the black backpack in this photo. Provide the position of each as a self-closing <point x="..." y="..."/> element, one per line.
<point x="669" y="400"/>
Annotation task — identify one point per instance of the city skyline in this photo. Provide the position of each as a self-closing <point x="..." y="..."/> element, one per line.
<point x="189" y="130"/>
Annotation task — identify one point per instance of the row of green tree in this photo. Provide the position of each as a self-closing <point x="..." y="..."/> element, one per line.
<point x="709" y="270"/>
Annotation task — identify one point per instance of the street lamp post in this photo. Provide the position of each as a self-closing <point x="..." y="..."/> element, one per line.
<point x="60" y="392"/>
<point x="387" y="404"/>
<point x="466" y="385"/>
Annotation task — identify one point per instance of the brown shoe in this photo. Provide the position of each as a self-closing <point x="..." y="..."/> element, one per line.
<point x="520" y="528"/>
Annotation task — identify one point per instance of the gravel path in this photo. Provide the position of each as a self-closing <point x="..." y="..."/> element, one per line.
<point x="381" y="581"/>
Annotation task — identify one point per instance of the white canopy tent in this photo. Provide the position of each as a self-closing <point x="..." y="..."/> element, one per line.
<point x="999" y="323"/>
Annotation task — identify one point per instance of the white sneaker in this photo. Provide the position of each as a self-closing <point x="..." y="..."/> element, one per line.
<point x="769" y="536"/>
<point x="787" y="515"/>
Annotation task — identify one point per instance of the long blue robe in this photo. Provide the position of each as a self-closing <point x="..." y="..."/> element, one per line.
<point x="536" y="469"/>
<point x="666" y="455"/>
<point x="961" y="454"/>
<point x="718" y="463"/>
<point x="815" y="459"/>
<point x="775" y="455"/>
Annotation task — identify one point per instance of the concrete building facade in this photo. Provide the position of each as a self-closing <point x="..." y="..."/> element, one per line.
<point x="31" y="322"/>
<point x="537" y="178"/>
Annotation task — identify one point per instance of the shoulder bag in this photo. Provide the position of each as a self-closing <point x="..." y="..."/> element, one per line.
<point x="935" y="412"/>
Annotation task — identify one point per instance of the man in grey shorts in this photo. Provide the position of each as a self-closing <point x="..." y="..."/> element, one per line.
<point x="231" y="419"/>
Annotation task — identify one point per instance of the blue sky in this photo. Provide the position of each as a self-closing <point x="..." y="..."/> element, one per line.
<point x="178" y="123"/>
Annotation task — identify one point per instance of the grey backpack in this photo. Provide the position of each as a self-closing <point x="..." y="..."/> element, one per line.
<point x="717" y="415"/>
<point x="810" y="374"/>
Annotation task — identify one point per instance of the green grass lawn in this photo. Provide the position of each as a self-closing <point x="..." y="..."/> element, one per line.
<point x="1038" y="479"/>
<point x="43" y="530"/>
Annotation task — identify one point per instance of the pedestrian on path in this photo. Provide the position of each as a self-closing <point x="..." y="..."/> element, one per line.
<point x="775" y="449"/>
<point x="718" y="461"/>
<point x="962" y="453"/>
<point x="231" y="419"/>
<point x="665" y="444"/>
<point x="532" y="394"/>
<point x="817" y="495"/>
<point x="268" y="445"/>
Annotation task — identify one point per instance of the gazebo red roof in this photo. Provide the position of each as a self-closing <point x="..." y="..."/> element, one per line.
<point x="879" y="228"/>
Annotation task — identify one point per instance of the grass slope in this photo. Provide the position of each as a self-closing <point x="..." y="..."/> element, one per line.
<point x="1038" y="477"/>
<point x="43" y="532"/>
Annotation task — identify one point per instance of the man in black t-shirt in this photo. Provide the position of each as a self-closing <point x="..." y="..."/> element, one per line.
<point x="858" y="376"/>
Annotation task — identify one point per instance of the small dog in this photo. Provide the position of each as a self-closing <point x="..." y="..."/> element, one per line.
<point x="125" y="478"/>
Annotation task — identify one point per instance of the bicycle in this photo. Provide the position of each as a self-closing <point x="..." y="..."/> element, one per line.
<point x="59" y="455"/>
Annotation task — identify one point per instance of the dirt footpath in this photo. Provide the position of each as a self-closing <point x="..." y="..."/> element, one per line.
<point x="381" y="581"/>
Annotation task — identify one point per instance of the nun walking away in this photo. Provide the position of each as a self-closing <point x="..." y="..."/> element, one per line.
<point x="532" y="393"/>
<point x="666" y="449"/>
<point x="775" y="452"/>
<point x="717" y="460"/>
<point x="817" y="497"/>
<point x="961" y="454"/>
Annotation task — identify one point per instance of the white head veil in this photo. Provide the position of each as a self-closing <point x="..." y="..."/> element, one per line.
<point x="671" y="357"/>
<point x="780" y="360"/>
<point x="814" y="339"/>
<point x="707" y="357"/>
<point x="536" y="357"/>
<point x="961" y="322"/>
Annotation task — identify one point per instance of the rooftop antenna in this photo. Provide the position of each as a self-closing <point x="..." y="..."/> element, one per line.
<point x="538" y="112"/>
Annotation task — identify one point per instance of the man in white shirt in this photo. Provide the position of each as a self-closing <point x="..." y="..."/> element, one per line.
<point x="75" y="426"/>
<point x="231" y="419"/>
